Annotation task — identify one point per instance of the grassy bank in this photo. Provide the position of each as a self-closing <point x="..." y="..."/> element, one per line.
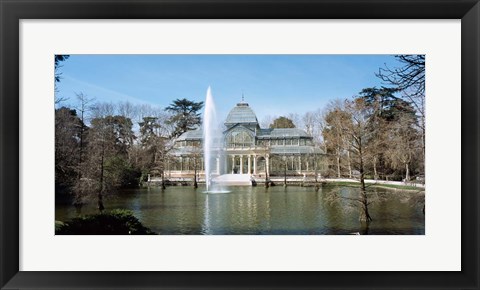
<point x="387" y="186"/>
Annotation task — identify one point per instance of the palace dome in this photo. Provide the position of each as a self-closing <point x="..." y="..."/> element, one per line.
<point x="241" y="114"/>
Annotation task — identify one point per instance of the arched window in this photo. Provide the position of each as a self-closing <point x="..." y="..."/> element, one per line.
<point x="240" y="138"/>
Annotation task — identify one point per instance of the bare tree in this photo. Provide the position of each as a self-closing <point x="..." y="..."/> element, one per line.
<point x="145" y="110"/>
<point x="196" y="155"/>
<point x="66" y="147"/>
<point x="315" y="124"/>
<point x="357" y="130"/>
<point x="104" y="109"/>
<point x="145" y="151"/>
<point x="409" y="78"/>
<point x="162" y="157"/>
<point x="267" y="120"/>
<point x="334" y="134"/>
<point x="128" y="110"/>
<point x="83" y="107"/>
<point x="105" y="165"/>
<point x="166" y="128"/>
<point x="402" y="144"/>
<point x="309" y="122"/>
<point x="296" y="119"/>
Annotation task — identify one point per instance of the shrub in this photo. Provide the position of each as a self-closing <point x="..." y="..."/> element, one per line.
<point x="115" y="222"/>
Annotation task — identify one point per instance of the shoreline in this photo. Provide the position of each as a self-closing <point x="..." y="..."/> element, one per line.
<point x="295" y="181"/>
<point x="371" y="183"/>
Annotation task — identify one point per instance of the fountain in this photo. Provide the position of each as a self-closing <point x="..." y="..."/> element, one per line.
<point x="212" y="146"/>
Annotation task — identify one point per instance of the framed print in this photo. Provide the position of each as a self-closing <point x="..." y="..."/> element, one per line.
<point x="344" y="153"/>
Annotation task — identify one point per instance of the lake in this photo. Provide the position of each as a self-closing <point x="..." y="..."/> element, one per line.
<point x="294" y="210"/>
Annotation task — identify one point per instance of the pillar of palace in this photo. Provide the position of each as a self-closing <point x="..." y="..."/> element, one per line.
<point x="267" y="165"/>
<point x="255" y="164"/>
<point x="233" y="164"/>
<point x="300" y="164"/>
<point x="218" y="165"/>
<point x="241" y="164"/>
<point x="225" y="164"/>
<point x="249" y="167"/>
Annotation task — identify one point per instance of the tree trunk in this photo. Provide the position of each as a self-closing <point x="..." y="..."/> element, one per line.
<point x="364" y="215"/>
<point x="338" y="166"/>
<point x="423" y="134"/>
<point x="81" y="148"/>
<point x="316" y="175"/>
<point x="266" y="172"/>
<point x="163" y="180"/>
<point x="195" y="184"/>
<point x="100" y="192"/>
<point x="349" y="165"/>
<point x="365" y="228"/>
<point x="161" y="166"/>
<point x="407" y="173"/>
<point x="375" y="174"/>
<point x="100" y="202"/>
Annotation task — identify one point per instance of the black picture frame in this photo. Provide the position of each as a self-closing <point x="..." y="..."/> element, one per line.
<point x="12" y="11"/>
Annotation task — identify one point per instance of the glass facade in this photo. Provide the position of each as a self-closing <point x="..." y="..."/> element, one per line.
<point x="249" y="149"/>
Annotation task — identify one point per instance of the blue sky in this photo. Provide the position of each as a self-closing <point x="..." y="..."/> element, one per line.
<point x="272" y="84"/>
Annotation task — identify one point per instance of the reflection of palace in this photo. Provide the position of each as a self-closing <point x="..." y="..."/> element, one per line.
<point x="248" y="149"/>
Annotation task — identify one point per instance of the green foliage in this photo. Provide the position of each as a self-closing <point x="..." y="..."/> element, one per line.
<point x="58" y="225"/>
<point x="115" y="222"/>
<point x="282" y="122"/>
<point x="385" y="105"/>
<point x="186" y="115"/>
<point x="152" y="145"/>
<point x="120" y="173"/>
<point x="149" y="134"/>
<point x="58" y="59"/>
<point x="113" y="133"/>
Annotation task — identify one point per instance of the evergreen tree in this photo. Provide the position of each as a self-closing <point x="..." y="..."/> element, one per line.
<point x="57" y="75"/>
<point x="186" y="115"/>
<point x="282" y="122"/>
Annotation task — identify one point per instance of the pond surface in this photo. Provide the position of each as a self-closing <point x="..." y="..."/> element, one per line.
<point x="260" y="211"/>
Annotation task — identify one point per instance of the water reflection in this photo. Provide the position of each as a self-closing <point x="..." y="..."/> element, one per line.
<point x="256" y="210"/>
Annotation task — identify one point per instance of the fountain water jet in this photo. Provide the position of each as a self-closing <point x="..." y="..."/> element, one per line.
<point x="213" y="153"/>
